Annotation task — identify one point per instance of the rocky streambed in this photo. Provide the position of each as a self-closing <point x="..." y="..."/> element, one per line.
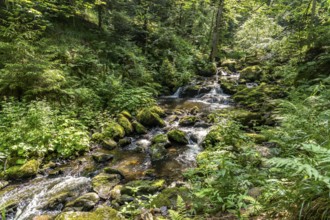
<point x="120" y="176"/>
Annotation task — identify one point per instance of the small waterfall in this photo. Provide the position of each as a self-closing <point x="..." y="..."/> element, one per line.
<point x="176" y="94"/>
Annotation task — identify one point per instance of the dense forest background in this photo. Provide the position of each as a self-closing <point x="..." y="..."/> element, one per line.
<point x="68" y="68"/>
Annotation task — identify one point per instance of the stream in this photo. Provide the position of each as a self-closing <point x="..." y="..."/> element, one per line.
<point x="52" y="188"/>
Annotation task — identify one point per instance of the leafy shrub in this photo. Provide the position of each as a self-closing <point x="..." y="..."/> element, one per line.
<point x="36" y="130"/>
<point x="300" y="178"/>
<point x="131" y="100"/>
<point x="226" y="171"/>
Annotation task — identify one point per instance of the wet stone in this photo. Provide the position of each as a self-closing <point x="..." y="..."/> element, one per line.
<point x="102" y="157"/>
<point x="85" y="202"/>
<point x="103" y="184"/>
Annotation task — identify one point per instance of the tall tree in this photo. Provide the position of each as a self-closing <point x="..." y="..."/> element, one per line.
<point x="216" y="30"/>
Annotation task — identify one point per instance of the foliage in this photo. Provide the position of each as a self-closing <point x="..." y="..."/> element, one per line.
<point x="36" y="129"/>
<point x="132" y="99"/>
<point x="304" y="159"/>
<point x="226" y="172"/>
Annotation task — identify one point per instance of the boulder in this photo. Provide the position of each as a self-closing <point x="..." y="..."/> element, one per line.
<point x="101" y="157"/>
<point x="159" y="138"/>
<point x="124" y="142"/>
<point x="101" y="213"/>
<point x="168" y="197"/>
<point x="158" y="151"/>
<point x="103" y="184"/>
<point x="149" y="118"/>
<point x="139" y="187"/>
<point x="109" y="144"/>
<point x="139" y="128"/>
<point x="113" y="130"/>
<point x="177" y="136"/>
<point x="85" y="202"/>
<point x="125" y="123"/>
<point x="126" y="114"/>
<point x="158" y="110"/>
<point x="28" y="170"/>
<point x="188" y="121"/>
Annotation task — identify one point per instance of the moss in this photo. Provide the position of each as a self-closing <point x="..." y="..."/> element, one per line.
<point x="158" y="151"/>
<point x="149" y="118"/>
<point x="102" y="213"/>
<point x="158" y="110"/>
<point x="188" y="121"/>
<point x="258" y="138"/>
<point x="159" y="138"/>
<point x="126" y="114"/>
<point x="251" y="73"/>
<point x="113" y="130"/>
<point x="97" y="136"/>
<point x="139" y="128"/>
<point x="229" y="87"/>
<point x="143" y="187"/>
<point x="103" y="183"/>
<point x="168" y="197"/>
<point x="212" y="138"/>
<point x="246" y="118"/>
<point x="125" y="123"/>
<point x="109" y="144"/>
<point x="29" y="169"/>
<point x="177" y="136"/>
<point x="57" y="199"/>
<point x="194" y="110"/>
<point x="83" y="203"/>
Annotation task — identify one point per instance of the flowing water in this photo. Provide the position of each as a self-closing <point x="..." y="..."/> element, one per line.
<point x="36" y="197"/>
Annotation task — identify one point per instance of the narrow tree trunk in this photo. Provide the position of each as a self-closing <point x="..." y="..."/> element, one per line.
<point x="216" y="30"/>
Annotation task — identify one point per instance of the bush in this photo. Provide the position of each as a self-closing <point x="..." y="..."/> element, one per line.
<point x="131" y="100"/>
<point x="36" y="130"/>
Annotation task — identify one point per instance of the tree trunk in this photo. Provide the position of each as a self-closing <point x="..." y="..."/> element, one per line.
<point x="216" y="30"/>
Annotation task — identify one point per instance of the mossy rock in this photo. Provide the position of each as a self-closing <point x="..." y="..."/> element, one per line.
<point x="251" y="74"/>
<point x="158" y="151"/>
<point x="28" y="170"/>
<point x="229" y="87"/>
<point x="103" y="183"/>
<point x="230" y="64"/>
<point x="101" y="157"/>
<point x="97" y="136"/>
<point x="140" y="187"/>
<point x="101" y="213"/>
<point x="149" y="118"/>
<point x="85" y="202"/>
<point x="258" y="138"/>
<point x="109" y="144"/>
<point x="158" y="110"/>
<point x="113" y="130"/>
<point x="124" y="142"/>
<point x="139" y="128"/>
<point x="125" y="123"/>
<point x="194" y="110"/>
<point x="168" y="197"/>
<point x="213" y="138"/>
<point x="188" y="121"/>
<point x="159" y="138"/>
<point x="58" y="199"/>
<point x="177" y="136"/>
<point x="246" y="118"/>
<point x="126" y="114"/>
